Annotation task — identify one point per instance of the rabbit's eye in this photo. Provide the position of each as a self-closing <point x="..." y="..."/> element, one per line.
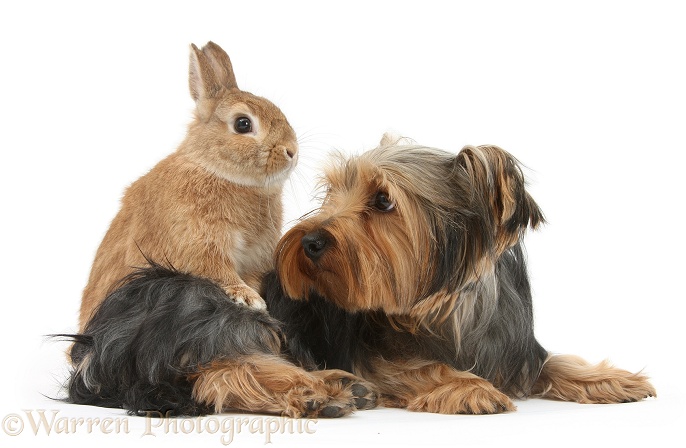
<point x="242" y="125"/>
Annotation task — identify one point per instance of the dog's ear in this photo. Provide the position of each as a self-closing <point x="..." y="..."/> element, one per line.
<point x="389" y="139"/>
<point x="392" y="138"/>
<point x="496" y="178"/>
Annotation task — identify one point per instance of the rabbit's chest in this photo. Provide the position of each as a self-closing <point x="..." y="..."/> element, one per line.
<point x="249" y="254"/>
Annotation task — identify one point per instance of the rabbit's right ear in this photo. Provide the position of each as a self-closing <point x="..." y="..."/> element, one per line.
<point x="209" y="71"/>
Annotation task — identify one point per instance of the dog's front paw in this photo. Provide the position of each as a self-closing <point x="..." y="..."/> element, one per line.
<point x="245" y="295"/>
<point x="473" y="396"/>
<point x="365" y="397"/>
<point x="315" y="400"/>
<point x="363" y="392"/>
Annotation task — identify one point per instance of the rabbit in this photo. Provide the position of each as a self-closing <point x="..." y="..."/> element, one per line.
<point x="212" y="208"/>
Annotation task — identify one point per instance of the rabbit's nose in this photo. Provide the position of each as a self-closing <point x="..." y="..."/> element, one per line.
<point x="290" y="151"/>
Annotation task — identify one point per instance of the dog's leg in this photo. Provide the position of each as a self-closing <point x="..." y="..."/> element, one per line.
<point x="428" y="386"/>
<point x="570" y="378"/>
<point x="264" y="383"/>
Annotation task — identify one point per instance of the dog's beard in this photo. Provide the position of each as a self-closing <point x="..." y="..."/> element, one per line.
<point x="374" y="269"/>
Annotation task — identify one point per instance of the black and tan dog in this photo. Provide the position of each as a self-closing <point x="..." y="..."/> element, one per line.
<point x="411" y="275"/>
<point x="423" y="250"/>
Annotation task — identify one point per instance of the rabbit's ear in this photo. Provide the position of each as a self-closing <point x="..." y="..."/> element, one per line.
<point x="221" y="64"/>
<point x="209" y="70"/>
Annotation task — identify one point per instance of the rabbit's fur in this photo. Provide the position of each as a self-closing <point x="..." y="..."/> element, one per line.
<point x="212" y="208"/>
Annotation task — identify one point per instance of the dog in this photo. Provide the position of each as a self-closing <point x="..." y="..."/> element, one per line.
<point x="407" y="288"/>
<point x="412" y="275"/>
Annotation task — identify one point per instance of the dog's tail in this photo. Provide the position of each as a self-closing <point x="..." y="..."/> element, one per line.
<point x="148" y="339"/>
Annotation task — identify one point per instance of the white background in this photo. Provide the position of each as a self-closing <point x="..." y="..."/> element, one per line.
<point x="591" y="96"/>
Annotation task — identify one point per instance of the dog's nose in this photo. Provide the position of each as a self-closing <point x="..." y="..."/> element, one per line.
<point x="314" y="245"/>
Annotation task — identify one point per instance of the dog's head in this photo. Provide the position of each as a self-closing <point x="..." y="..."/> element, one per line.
<point x="401" y="225"/>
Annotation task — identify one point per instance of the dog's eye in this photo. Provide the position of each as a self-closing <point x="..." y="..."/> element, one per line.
<point x="383" y="203"/>
<point x="242" y="125"/>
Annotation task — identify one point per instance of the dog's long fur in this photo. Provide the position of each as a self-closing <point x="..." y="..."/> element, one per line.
<point x="411" y="275"/>
<point x="501" y="349"/>
<point x="142" y="344"/>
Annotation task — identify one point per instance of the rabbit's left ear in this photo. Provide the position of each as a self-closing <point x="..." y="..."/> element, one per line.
<point x="209" y="71"/>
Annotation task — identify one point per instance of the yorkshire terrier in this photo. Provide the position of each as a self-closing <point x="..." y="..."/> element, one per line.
<point x="411" y="277"/>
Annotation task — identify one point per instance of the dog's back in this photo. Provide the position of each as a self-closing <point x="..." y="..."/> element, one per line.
<point x="140" y="346"/>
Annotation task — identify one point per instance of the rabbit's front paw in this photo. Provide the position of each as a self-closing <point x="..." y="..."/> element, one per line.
<point x="245" y="295"/>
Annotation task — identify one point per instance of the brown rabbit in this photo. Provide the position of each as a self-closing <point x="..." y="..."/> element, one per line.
<point x="212" y="208"/>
